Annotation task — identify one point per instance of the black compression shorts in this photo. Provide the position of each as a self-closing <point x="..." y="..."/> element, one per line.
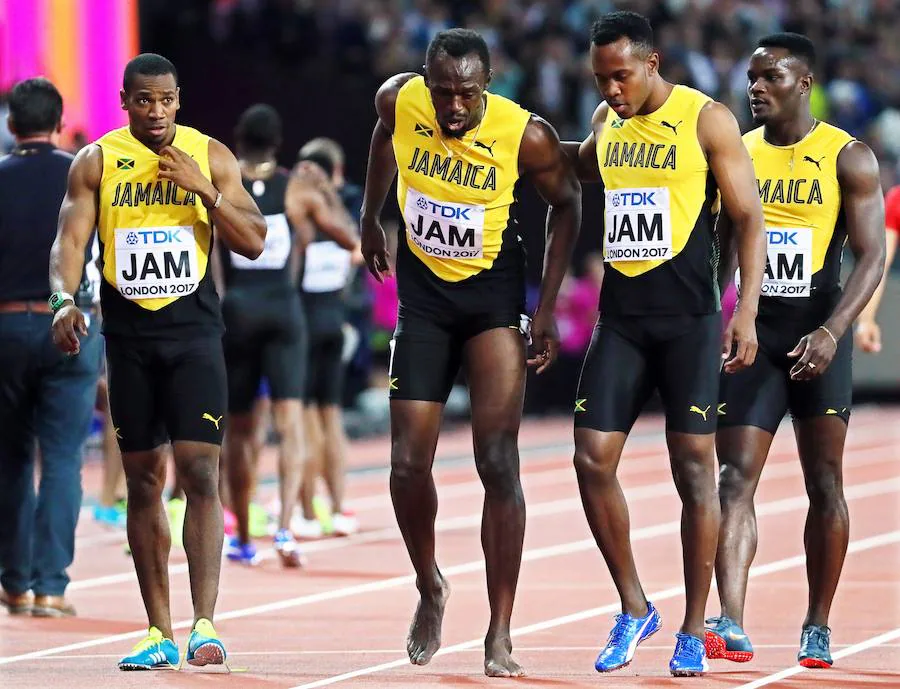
<point x="265" y="336"/>
<point x="761" y="394"/>
<point x="426" y="353"/>
<point x="630" y="357"/>
<point x="166" y="389"/>
<point x="325" y="378"/>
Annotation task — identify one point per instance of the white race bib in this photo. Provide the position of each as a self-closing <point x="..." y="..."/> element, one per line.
<point x="156" y="262"/>
<point x="326" y="268"/>
<point x="638" y="225"/>
<point x="277" y="250"/>
<point x="442" y="228"/>
<point x="788" y="263"/>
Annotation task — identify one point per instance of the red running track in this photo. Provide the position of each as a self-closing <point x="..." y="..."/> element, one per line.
<point x="342" y="620"/>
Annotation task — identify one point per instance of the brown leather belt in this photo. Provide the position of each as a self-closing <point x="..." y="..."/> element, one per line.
<point x="24" y="307"/>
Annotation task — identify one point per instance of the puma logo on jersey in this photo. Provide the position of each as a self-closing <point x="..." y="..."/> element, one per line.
<point x="673" y="127"/>
<point x="809" y="159"/>
<point x="702" y="412"/>
<point x="487" y="148"/>
<point x="209" y="417"/>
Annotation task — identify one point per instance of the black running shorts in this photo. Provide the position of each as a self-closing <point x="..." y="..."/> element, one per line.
<point x="166" y="389"/>
<point x="325" y="378"/>
<point x="426" y="353"/>
<point x="761" y="394"/>
<point x="265" y="336"/>
<point x="630" y="357"/>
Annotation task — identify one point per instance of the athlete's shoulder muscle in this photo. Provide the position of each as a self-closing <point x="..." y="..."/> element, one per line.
<point x="386" y="97"/>
<point x="87" y="168"/>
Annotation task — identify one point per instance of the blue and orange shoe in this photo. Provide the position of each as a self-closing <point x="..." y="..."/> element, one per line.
<point x="815" y="647"/>
<point x="204" y="647"/>
<point x="624" y="638"/>
<point x="689" y="658"/>
<point x="155" y="652"/>
<point x="242" y="553"/>
<point x="726" y="640"/>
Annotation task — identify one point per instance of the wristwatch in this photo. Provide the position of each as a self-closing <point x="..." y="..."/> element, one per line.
<point x="58" y="299"/>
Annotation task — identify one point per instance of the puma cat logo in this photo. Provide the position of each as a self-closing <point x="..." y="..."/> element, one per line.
<point x="209" y="417"/>
<point x="702" y="412"/>
<point x="673" y="127"/>
<point x="808" y="159"/>
<point x="487" y="148"/>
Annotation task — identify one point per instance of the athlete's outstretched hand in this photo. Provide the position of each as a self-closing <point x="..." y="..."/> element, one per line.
<point x="814" y="353"/>
<point x="373" y="245"/>
<point x="68" y="322"/>
<point x="544" y="340"/>
<point x="178" y="166"/>
<point x="740" y="335"/>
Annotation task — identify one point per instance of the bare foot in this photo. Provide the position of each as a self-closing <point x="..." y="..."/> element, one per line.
<point x="498" y="660"/>
<point x="424" y="637"/>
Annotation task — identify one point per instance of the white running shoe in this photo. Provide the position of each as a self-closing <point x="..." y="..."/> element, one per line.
<point x="305" y="528"/>
<point x="344" y="524"/>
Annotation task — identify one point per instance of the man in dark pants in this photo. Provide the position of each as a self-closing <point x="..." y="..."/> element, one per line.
<point x="44" y="395"/>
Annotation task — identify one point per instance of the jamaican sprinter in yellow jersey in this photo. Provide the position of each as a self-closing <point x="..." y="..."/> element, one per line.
<point x="805" y="226"/>
<point x="819" y="189"/>
<point x="457" y="195"/>
<point x="460" y="151"/>
<point x="155" y="192"/>
<point x="661" y="150"/>
<point x="155" y="237"/>
<point x="658" y="238"/>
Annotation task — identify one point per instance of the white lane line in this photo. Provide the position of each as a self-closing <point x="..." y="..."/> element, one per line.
<point x="777" y="470"/>
<point x="673" y="592"/>
<point x="880" y="640"/>
<point x="864" y="490"/>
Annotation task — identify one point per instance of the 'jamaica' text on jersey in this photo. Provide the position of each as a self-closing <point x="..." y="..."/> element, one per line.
<point x="157" y="193"/>
<point x="621" y="154"/>
<point x="799" y="191"/>
<point x="452" y="171"/>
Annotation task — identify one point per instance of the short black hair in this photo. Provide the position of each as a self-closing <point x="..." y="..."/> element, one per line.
<point x="458" y="43"/>
<point x="320" y="158"/>
<point x="148" y="65"/>
<point x="798" y="45"/>
<point x="35" y="107"/>
<point x="631" y="25"/>
<point x="259" y="128"/>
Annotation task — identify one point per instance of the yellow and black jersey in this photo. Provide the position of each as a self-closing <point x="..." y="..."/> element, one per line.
<point x="658" y="241"/>
<point x="457" y="198"/>
<point x="805" y="228"/>
<point x="156" y="241"/>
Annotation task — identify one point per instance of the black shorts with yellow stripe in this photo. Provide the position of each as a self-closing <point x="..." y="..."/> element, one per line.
<point x="630" y="357"/>
<point x="436" y="318"/>
<point x="762" y="394"/>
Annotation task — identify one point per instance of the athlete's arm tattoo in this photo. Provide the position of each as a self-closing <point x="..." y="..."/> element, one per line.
<point x="863" y="206"/>
<point x="77" y="220"/>
<point x="543" y="161"/>
<point x="237" y="220"/>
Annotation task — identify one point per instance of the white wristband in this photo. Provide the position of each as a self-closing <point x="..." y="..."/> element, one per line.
<point x="218" y="201"/>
